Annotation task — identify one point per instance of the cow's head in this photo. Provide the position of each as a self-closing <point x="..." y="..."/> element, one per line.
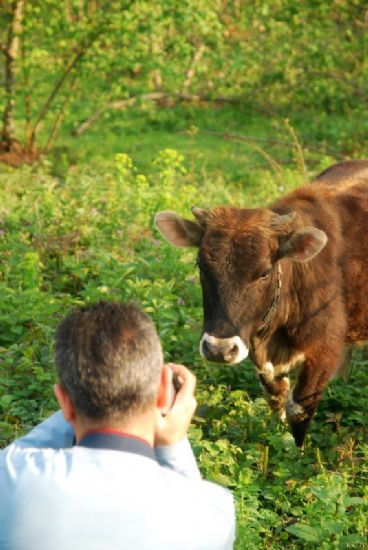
<point x="238" y="259"/>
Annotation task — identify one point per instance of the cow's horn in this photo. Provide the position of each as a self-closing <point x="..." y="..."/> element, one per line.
<point x="200" y="214"/>
<point x="282" y="220"/>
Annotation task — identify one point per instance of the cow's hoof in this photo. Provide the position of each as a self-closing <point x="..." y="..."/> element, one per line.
<point x="299" y="429"/>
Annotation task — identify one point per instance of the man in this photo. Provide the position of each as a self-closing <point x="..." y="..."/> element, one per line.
<point x="130" y="481"/>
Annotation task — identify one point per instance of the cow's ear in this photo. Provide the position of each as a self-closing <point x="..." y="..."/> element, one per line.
<point x="177" y="230"/>
<point x="302" y="245"/>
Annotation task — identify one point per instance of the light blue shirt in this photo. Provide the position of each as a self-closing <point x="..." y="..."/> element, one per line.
<point x="54" y="496"/>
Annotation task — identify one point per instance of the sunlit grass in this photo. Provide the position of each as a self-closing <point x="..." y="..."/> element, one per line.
<point x="88" y="234"/>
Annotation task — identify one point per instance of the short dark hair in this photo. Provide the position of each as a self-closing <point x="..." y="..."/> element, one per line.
<point x="108" y="357"/>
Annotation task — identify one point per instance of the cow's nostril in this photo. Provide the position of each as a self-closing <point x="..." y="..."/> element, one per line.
<point x="229" y="350"/>
<point x="208" y="350"/>
<point x="212" y="351"/>
<point x="205" y="348"/>
<point x="231" y="353"/>
<point x="221" y="350"/>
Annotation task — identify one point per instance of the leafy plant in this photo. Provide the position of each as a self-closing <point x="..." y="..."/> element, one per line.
<point x="91" y="236"/>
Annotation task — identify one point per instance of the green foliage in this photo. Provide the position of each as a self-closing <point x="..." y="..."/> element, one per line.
<point x="273" y="57"/>
<point x="91" y="236"/>
<point x="72" y="233"/>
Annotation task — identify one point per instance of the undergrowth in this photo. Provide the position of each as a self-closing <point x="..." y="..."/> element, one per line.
<point x="90" y="236"/>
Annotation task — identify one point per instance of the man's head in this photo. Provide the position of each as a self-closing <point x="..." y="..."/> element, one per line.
<point x="109" y="359"/>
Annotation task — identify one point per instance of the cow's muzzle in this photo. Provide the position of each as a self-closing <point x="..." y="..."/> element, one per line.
<point x="223" y="350"/>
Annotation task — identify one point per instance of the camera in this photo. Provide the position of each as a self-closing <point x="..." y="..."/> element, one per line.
<point x="176" y="383"/>
<point x="175" y="387"/>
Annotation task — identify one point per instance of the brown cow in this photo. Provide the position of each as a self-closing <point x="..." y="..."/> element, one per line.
<point x="285" y="284"/>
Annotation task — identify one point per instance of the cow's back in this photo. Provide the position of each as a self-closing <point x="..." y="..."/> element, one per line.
<point x="337" y="203"/>
<point x="352" y="211"/>
<point x="344" y="173"/>
<point x="343" y="189"/>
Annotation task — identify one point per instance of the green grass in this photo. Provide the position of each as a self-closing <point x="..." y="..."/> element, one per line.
<point x="200" y="134"/>
<point x="88" y="234"/>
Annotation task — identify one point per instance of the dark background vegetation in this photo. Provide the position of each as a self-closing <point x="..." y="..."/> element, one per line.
<point x="111" y="111"/>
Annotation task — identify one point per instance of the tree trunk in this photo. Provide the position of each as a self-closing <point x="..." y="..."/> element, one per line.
<point x="59" y="117"/>
<point x="83" y="48"/>
<point x="11" y="50"/>
<point x="54" y="92"/>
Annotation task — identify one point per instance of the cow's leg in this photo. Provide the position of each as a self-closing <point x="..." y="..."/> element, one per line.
<point x="303" y="400"/>
<point x="343" y="369"/>
<point x="276" y="384"/>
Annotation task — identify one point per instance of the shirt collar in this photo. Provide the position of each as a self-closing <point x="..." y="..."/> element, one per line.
<point x="117" y="441"/>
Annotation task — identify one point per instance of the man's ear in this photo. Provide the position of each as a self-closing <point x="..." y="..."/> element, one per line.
<point x="65" y="402"/>
<point x="177" y="230"/>
<point x="165" y="391"/>
<point x="302" y="245"/>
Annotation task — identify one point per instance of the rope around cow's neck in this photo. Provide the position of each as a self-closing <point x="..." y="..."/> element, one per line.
<point x="266" y="321"/>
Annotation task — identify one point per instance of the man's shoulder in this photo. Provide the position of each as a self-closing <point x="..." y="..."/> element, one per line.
<point x="106" y="483"/>
<point x="16" y="459"/>
<point x="133" y="472"/>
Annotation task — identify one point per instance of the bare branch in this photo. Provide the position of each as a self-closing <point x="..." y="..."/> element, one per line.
<point x="60" y="82"/>
<point x="191" y="70"/>
<point x="118" y="104"/>
<point x="59" y="118"/>
<point x="46" y="106"/>
<point x="153" y="96"/>
<point x="269" y="141"/>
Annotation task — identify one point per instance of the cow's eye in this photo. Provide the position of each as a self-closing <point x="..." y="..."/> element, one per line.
<point x="265" y="274"/>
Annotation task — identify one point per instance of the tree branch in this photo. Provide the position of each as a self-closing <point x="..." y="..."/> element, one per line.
<point x="191" y="70"/>
<point x="154" y="96"/>
<point x="59" y="118"/>
<point x="60" y="82"/>
<point x="46" y="106"/>
<point x="269" y="141"/>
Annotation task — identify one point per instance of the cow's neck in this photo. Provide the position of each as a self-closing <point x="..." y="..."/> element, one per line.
<point x="274" y="319"/>
<point x="274" y="341"/>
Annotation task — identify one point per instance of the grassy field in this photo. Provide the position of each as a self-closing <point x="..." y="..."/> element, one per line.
<point x="206" y="137"/>
<point x="79" y="228"/>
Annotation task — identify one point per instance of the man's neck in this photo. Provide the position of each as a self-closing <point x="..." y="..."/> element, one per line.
<point x="141" y="426"/>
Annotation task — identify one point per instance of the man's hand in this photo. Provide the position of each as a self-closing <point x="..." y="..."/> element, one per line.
<point x="173" y="426"/>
